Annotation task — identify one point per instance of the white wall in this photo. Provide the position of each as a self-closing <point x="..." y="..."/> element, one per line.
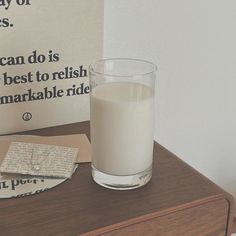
<point x="194" y="44"/>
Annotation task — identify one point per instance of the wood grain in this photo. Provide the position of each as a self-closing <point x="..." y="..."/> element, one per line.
<point x="81" y="207"/>
<point x="211" y="222"/>
<point x="234" y="226"/>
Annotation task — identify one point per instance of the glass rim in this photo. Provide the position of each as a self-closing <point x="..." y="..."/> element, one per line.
<point x="94" y="72"/>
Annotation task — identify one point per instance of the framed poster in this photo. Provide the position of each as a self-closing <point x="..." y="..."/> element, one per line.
<point x="46" y="47"/>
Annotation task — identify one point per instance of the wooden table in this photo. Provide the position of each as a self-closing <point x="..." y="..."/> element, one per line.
<point x="178" y="201"/>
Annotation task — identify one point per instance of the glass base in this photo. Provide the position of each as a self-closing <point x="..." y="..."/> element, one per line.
<point x="122" y="182"/>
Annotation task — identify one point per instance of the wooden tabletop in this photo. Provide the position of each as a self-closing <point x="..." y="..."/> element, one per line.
<point x="79" y="205"/>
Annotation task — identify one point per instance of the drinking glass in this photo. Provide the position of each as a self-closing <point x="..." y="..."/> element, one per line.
<point x="122" y="122"/>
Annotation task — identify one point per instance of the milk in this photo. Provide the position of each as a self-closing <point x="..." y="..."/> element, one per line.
<point x="122" y="116"/>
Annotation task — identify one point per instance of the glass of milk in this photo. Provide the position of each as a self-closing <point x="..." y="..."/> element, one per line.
<point x="122" y="122"/>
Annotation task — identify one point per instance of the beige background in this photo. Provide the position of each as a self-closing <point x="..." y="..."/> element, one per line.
<point x="71" y="28"/>
<point x="193" y="44"/>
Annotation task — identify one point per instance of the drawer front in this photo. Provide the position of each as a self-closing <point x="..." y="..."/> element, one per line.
<point x="209" y="219"/>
